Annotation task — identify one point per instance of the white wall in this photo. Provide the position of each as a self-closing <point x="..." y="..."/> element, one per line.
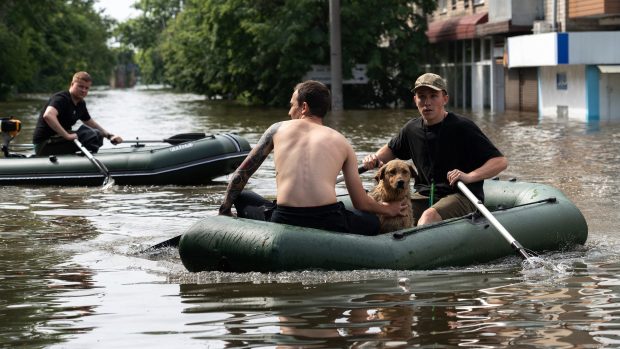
<point x="594" y="47"/>
<point x="519" y="12"/>
<point x="533" y="50"/>
<point x="583" y="48"/>
<point x="574" y="97"/>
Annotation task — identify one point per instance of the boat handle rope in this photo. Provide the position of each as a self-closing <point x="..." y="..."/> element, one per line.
<point x="470" y="216"/>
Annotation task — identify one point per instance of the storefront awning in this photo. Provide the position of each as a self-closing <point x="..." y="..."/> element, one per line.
<point x="456" y="28"/>
<point x="501" y="28"/>
<point x="609" y="69"/>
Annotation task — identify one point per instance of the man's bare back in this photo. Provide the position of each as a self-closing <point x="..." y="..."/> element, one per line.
<point x="308" y="157"/>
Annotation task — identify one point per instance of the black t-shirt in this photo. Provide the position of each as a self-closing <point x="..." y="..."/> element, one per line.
<point x="68" y="115"/>
<point x="454" y="143"/>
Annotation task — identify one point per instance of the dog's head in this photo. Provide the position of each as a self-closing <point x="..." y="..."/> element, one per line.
<point x="397" y="174"/>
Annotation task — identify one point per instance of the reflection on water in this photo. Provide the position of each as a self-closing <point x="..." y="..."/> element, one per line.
<point x="480" y="309"/>
<point x="72" y="275"/>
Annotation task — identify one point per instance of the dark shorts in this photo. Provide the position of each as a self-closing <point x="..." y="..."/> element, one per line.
<point x="450" y="206"/>
<point x="91" y="139"/>
<point x="55" y="146"/>
<point x="334" y="217"/>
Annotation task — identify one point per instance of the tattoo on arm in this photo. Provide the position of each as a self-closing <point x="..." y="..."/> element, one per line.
<point x="252" y="162"/>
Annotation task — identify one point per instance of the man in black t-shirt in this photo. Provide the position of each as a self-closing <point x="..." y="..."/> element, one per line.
<point x="53" y="134"/>
<point x="445" y="148"/>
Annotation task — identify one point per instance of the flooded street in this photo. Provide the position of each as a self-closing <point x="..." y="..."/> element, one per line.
<point x="72" y="275"/>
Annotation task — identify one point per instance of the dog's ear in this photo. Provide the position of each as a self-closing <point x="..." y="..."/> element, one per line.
<point x="380" y="174"/>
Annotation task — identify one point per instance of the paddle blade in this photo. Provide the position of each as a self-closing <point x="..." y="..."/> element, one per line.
<point x="108" y="183"/>
<point x="185" y="137"/>
<point x="174" y="242"/>
<point x="104" y="170"/>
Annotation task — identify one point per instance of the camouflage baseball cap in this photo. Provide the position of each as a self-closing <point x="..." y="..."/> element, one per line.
<point x="431" y="80"/>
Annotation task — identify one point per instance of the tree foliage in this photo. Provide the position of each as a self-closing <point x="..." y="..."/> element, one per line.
<point x="258" y="50"/>
<point x="143" y="34"/>
<point x="45" y="41"/>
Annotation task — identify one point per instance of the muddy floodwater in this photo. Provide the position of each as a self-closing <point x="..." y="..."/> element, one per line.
<point x="71" y="275"/>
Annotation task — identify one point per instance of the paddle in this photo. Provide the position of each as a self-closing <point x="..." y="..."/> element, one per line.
<point x="176" y="139"/>
<point x="511" y="240"/>
<point x="108" y="181"/>
<point x="174" y="242"/>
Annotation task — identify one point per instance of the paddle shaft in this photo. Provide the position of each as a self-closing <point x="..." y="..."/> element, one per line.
<point x="95" y="162"/>
<point x="176" y="139"/>
<point x="360" y="170"/>
<point x="511" y="240"/>
<point x="174" y="242"/>
<point x="172" y="141"/>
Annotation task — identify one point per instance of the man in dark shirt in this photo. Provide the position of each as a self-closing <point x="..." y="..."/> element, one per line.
<point x="445" y="148"/>
<point x="53" y="134"/>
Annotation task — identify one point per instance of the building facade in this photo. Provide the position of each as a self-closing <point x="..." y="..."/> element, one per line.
<point x="559" y="58"/>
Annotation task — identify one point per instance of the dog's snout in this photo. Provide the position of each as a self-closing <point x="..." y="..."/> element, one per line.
<point x="400" y="184"/>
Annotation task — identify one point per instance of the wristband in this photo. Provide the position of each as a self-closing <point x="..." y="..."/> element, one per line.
<point x="109" y="136"/>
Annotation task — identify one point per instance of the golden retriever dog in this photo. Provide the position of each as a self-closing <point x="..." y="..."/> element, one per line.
<point x="394" y="181"/>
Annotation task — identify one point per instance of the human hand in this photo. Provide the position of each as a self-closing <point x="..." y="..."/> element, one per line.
<point x="457" y="175"/>
<point x="371" y="161"/>
<point x="225" y="211"/>
<point x="70" y="137"/>
<point x="116" y="139"/>
<point x="397" y="208"/>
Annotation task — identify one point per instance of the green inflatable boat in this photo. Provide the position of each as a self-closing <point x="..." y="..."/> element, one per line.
<point x="191" y="162"/>
<point x="538" y="216"/>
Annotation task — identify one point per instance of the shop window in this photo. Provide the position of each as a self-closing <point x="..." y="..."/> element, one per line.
<point x="561" y="81"/>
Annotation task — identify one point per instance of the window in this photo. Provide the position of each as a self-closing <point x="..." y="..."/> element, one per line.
<point x="478" y="2"/>
<point x="561" y="81"/>
<point x="454" y="4"/>
<point x="442" y="6"/>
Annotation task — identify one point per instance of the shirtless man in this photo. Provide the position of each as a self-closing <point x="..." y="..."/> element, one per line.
<point x="308" y="157"/>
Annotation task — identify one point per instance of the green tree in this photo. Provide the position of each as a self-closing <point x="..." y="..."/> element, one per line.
<point x="13" y="62"/>
<point x="251" y="50"/>
<point x="255" y="51"/>
<point x="143" y="34"/>
<point x="387" y="35"/>
<point x="45" y="41"/>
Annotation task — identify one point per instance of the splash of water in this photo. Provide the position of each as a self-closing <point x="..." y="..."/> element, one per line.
<point x="108" y="183"/>
<point x="537" y="266"/>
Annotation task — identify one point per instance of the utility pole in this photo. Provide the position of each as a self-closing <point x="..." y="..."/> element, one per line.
<point x="336" y="54"/>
